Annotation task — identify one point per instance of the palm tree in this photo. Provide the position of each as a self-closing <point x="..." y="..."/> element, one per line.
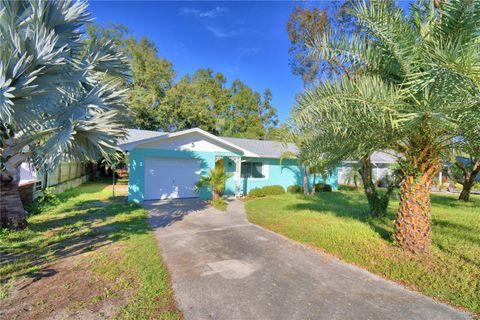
<point x="215" y="180"/>
<point x="352" y="176"/>
<point x="417" y="77"/>
<point x="59" y="94"/>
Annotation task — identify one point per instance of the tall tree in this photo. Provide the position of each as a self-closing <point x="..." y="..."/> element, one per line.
<point x="197" y="101"/>
<point x="151" y="76"/>
<point x="59" y="94"/>
<point x="249" y="115"/>
<point x="304" y="25"/>
<point x="419" y="78"/>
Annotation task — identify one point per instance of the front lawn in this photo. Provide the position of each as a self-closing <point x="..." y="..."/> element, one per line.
<point x="90" y="256"/>
<point x="337" y="223"/>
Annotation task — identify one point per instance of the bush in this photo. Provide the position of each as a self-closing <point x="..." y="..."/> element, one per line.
<point x="48" y="197"/>
<point x="273" y="190"/>
<point x="323" y="187"/>
<point x="256" y="193"/>
<point x="295" y="189"/>
<point x="46" y="200"/>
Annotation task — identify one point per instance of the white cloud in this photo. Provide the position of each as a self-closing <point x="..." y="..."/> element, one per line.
<point x="222" y="33"/>
<point x="193" y="12"/>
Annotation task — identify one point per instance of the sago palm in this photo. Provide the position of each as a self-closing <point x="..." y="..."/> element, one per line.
<point x="416" y="80"/>
<point x="59" y="94"/>
<point x="215" y="180"/>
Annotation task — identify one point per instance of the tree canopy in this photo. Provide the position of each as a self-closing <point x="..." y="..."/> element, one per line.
<point x="204" y="100"/>
<point x="416" y="81"/>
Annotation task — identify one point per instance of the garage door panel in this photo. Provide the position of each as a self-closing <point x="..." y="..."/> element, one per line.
<point x="167" y="178"/>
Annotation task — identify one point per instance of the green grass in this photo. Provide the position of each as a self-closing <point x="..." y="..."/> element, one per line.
<point x="337" y="223"/>
<point x="220" y="204"/>
<point x="112" y="237"/>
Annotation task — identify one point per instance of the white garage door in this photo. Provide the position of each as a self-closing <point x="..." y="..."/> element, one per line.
<point x="171" y="178"/>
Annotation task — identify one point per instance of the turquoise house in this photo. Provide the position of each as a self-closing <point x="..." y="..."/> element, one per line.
<point x="167" y="165"/>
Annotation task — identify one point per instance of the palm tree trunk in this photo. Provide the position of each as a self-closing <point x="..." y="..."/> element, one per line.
<point x="378" y="204"/>
<point x="12" y="214"/>
<point x="313" y="185"/>
<point x="468" y="182"/>
<point x="412" y="224"/>
<point x="305" y="181"/>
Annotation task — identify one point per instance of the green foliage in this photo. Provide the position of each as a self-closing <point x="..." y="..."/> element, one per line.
<point x="266" y="191"/>
<point x="323" y="187"/>
<point x="200" y="100"/>
<point x="336" y="223"/>
<point x="204" y="101"/>
<point x="273" y="190"/>
<point x="48" y="197"/>
<point x="220" y="204"/>
<point x="215" y="180"/>
<point x="59" y="93"/>
<point x="257" y="193"/>
<point x="295" y="189"/>
<point x="415" y="86"/>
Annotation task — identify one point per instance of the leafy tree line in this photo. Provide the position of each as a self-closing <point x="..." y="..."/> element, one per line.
<point x="201" y="100"/>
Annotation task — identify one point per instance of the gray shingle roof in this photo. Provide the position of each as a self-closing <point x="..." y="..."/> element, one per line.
<point x="134" y="135"/>
<point x="267" y="149"/>
<point x="263" y="148"/>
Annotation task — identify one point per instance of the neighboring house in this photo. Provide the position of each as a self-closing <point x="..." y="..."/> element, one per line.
<point x="67" y="175"/>
<point x="167" y="165"/>
<point x="381" y="161"/>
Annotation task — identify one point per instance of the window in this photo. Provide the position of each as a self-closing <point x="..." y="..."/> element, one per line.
<point x="251" y="169"/>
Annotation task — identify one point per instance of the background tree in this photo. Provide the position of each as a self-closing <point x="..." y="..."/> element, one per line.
<point x="151" y="76"/>
<point x="303" y="25"/>
<point x="197" y="101"/>
<point x="416" y="78"/>
<point x="59" y="94"/>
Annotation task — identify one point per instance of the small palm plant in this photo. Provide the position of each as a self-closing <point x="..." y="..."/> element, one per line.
<point x="353" y="176"/>
<point x="215" y="180"/>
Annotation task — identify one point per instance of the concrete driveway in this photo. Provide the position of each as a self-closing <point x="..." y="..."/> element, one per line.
<point x="224" y="267"/>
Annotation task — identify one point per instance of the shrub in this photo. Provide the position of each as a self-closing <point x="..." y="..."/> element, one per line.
<point x="323" y="187"/>
<point x="256" y="193"/>
<point x="47" y="199"/>
<point x="273" y="190"/>
<point x="295" y="189"/>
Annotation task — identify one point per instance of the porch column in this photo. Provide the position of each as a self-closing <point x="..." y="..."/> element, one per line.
<point x="238" y="166"/>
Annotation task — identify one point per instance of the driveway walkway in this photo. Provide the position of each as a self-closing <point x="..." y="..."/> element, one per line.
<point x="223" y="267"/>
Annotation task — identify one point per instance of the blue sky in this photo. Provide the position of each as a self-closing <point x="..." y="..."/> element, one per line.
<point x="243" y="40"/>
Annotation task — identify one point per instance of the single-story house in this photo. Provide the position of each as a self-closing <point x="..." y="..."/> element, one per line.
<point x="167" y="165"/>
<point x="382" y="162"/>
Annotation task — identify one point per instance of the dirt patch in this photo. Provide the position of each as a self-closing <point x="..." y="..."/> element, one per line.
<point x="65" y="289"/>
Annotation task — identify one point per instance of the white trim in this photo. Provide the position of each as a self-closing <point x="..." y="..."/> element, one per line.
<point x="245" y="152"/>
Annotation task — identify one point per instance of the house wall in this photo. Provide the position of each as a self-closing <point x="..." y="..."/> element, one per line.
<point x="379" y="172"/>
<point x="136" y="180"/>
<point x="285" y="174"/>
